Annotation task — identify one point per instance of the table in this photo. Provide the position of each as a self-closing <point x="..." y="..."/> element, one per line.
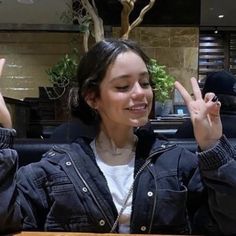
<point x="75" y="234"/>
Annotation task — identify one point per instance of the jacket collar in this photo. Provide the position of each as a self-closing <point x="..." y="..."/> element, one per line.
<point x="148" y="141"/>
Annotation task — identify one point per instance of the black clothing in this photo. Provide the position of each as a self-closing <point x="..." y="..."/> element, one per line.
<point x="71" y="130"/>
<point x="185" y="130"/>
<point x="173" y="188"/>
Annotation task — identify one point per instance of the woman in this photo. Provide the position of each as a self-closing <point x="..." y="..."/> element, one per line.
<point x="123" y="180"/>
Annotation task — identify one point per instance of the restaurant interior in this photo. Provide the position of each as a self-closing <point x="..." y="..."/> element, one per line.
<point x="43" y="41"/>
<point x="189" y="38"/>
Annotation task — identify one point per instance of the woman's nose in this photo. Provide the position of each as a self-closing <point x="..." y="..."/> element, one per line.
<point x="137" y="90"/>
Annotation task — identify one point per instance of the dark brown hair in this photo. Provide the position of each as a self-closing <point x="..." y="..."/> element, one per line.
<point x="92" y="70"/>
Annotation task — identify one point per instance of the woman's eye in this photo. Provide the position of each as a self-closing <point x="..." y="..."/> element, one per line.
<point x="145" y="84"/>
<point x="122" y="88"/>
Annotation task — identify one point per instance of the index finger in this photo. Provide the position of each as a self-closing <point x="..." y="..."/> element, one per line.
<point x="184" y="93"/>
<point x="196" y="90"/>
<point x="2" y="62"/>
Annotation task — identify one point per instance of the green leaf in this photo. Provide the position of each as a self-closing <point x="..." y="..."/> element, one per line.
<point x="64" y="71"/>
<point x="162" y="80"/>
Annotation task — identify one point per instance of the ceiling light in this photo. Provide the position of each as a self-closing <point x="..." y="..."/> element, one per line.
<point x="221" y="16"/>
<point x="26" y="1"/>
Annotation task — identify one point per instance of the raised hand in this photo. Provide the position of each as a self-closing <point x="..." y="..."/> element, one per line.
<point x="204" y="113"/>
<point x="5" y="117"/>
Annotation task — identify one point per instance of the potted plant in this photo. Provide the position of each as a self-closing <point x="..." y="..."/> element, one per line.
<point x="62" y="74"/>
<point x="163" y="86"/>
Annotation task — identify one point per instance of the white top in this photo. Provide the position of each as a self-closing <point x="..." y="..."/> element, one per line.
<point x="119" y="179"/>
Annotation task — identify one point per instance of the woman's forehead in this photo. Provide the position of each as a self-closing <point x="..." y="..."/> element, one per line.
<point x="125" y="66"/>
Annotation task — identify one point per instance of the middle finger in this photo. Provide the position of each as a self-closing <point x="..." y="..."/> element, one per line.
<point x="196" y="90"/>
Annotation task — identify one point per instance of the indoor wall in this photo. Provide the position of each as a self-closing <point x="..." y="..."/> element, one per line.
<point x="29" y="54"/>
<point x="174" y="47"/>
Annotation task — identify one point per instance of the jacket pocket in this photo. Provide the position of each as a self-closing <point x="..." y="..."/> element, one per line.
<point x="72" y="224"/>
<point x="171" y="208"/>
<point x="65" y="204"/>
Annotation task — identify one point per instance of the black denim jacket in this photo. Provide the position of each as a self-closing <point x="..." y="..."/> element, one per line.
<point x="173" y="190"/>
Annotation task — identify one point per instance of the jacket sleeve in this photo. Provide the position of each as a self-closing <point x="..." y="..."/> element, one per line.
<point x="20" y="197"/>
<point x="9" y="208"/>
<point x="218" y="170"/>
<point x="32" y="195"/>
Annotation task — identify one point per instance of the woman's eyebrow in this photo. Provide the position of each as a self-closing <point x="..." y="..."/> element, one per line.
<point x="125" y="76"/>
<point x="120" y="77"/>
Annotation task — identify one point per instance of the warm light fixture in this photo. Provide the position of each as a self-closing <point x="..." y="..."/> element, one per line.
<point x="26" y="1"/>
<point x="221" y="16"/>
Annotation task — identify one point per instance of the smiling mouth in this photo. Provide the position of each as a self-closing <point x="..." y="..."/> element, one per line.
<point x="138" y="107"/>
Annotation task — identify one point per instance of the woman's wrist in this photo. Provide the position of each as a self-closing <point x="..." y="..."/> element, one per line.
<point x="7" y="137"/>
<point x="217" y="155"/>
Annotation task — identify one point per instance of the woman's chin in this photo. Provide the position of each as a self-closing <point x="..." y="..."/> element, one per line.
<point x="139" y="122"/>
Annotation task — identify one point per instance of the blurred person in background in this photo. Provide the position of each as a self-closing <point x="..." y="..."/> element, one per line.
<point x="223" y="85"/>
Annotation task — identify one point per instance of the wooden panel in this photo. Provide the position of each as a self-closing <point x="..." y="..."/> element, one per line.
<point x="232" y="53"/>
<point x="211" y="53"/>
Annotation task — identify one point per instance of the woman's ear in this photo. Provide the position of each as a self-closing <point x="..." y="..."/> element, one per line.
<point x="91" y="100"/>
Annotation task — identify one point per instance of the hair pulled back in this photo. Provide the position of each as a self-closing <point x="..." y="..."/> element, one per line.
<point x="92" y="70"/>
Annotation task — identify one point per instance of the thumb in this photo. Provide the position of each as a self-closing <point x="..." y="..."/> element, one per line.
<point x="213" y="108"/>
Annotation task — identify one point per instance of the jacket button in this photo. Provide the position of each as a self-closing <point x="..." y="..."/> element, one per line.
<point x="102" y="222"/>
<point x="85" y="189"/>
<point x="68" y="163"/>
<point x="150" y="194"/>
<point x="143" y="228"/>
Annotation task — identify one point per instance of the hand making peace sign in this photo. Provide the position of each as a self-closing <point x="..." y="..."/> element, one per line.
<point x="204" y="113"/>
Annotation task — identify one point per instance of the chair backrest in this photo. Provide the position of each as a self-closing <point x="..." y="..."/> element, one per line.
<point x="31" y="150"/>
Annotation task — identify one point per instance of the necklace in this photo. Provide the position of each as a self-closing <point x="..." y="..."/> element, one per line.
<point x="113" y="155"/>
<point x="127" y="197"/>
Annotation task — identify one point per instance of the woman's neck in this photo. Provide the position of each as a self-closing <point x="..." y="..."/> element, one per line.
<point x="117" y="137"/>
<point x="117" y="146"/>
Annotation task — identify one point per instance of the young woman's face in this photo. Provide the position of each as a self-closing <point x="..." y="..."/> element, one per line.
<point x="125" y="92"/>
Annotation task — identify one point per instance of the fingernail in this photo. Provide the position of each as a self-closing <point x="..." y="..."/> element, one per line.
<point x="214" y="99"/>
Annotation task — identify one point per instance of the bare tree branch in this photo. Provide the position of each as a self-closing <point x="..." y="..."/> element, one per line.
<point x="128" y="6"/>
<point x="142" y="13"/>
<point x="85" y="40"/>
<point x="97" y="21"/>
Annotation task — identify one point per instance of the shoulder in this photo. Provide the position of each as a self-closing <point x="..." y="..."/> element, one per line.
<point x="48" y="164"/>
<point x="56" y="157"/>
<point x="173" y="155"/>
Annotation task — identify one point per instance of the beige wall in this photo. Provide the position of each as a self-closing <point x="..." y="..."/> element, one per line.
<point x="175" y="47"/>
<point x="29" y="54"/>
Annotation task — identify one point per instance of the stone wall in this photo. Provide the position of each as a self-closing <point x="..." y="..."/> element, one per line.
<point x="29" y="54"/>
<point x="174" y="47"/>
